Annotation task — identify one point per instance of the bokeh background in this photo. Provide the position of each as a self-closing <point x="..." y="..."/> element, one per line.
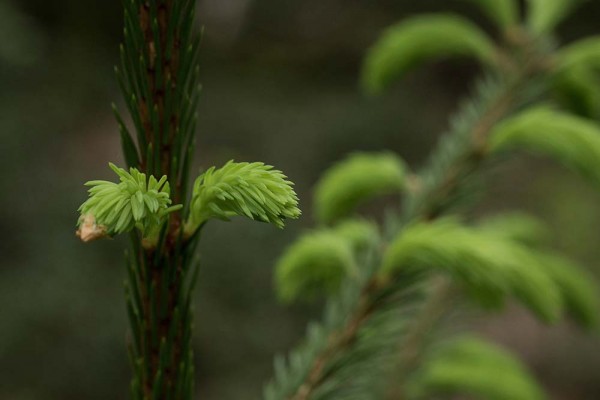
<point x="280" y="85"/>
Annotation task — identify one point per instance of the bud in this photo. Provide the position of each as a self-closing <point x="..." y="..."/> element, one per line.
<point x="89" y="230"/>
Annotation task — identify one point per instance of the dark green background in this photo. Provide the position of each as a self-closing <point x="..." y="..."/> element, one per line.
<point x="280" y="86"/>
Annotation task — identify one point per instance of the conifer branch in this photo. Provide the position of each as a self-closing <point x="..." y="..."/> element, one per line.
<point x="157" y="78"/>
<point x="460" y="156"/>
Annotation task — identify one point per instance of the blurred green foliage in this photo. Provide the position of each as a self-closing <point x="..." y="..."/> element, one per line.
<point x="281" y="85"/>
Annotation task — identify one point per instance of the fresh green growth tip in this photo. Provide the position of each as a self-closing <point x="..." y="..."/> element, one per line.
<point x="571" y="140"/>
<point x="472" y="366"/>
<point x="417" y="40"/>
<point x="355" y="180"/>
<point x="314" y="265"/>
<point x="114" y="208"/>
<point x="488" y="266"/>
<point x="253" y="190"/>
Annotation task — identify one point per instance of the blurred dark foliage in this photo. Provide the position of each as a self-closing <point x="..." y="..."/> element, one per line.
<point x="280" y="86"/>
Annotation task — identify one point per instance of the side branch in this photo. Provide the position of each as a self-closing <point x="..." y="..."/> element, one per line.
<point x="465" y="165"/>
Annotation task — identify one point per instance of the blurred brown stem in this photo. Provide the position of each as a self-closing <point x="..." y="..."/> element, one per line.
<point x="339" y="342"/>
<point x="411" y="346"/>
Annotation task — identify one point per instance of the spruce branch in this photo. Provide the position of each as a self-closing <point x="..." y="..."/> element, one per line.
<point x="460" y="156"/>
<point x="158" y="77"/>
<point x="399" y="298"/>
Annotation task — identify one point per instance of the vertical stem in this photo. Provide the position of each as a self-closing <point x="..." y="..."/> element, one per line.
<point x="159" y="83"/>
<point x="159" y="297"/>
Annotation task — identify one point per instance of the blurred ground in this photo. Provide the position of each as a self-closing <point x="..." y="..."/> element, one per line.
<point x="280" y="86"/>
